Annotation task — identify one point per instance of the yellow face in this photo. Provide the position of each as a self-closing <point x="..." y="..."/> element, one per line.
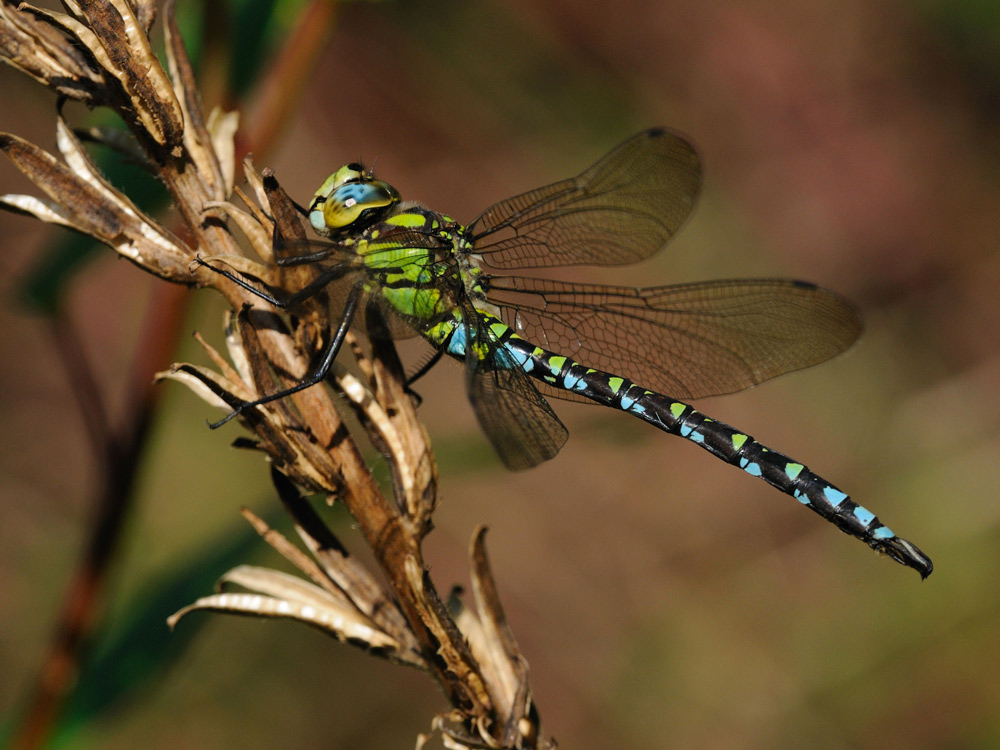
<point x="346" y="196"/>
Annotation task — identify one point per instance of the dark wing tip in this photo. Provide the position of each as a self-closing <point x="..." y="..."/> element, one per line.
<point x="804" y="284"/>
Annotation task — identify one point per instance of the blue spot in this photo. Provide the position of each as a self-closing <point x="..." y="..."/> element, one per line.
<point x="637" y="408"/>
<point x="752" y="469"/>
<point x="570" y="382"/>
<point x="515" y="358"/>
<point x="697" y="438"/>
<point x="835" y="496"/>
<point x="627" y="403"/>
<point x="457" y="342"/>
<point x="801" y="497"/>
<point x="883" y="532"/>
<point x="685" y="430"/>
<point x="864" y="515"/>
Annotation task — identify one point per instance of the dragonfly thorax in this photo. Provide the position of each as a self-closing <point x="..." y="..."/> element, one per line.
<point x="350" y="200"/>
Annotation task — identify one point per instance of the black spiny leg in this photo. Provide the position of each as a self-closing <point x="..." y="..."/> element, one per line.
<point x="332" y="349"/>
<point x="311" y="289"/>
<point x="423" y="370"/>
<point x="321" y="371"/>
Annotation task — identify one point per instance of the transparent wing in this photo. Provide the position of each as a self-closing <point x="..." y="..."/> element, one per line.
<point x="687" y="340"/>
<point x="515" y="417"/>
<point x="622" y="209"/>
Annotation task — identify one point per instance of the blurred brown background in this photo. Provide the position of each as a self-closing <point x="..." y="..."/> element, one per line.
<point x="663" y="599"/>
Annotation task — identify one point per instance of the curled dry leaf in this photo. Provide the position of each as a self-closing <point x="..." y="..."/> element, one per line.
<point x="354" y="613"/>
<point x="34" y="42"/>
<point x="80" y="198"/>
<point x="272" y="593"/>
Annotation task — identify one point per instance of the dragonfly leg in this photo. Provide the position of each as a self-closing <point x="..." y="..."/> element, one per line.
<point x="284" y="302"/>
<point x="321" y="371"/>
<point x="423" y="370"/>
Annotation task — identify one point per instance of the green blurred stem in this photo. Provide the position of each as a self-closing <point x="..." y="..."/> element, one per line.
<point x="118" y="454"/>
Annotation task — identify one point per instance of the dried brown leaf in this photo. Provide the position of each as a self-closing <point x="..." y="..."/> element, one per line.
<point x="35" y="42"/>
<point x="197" y="140"/>
<point x="129" y="57"/>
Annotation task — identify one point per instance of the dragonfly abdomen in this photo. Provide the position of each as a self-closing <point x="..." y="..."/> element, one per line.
<point x="780" y="471"/>
<point x="719" y="439"/>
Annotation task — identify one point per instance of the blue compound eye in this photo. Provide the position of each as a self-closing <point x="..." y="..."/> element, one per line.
<point x="346" y="196"/>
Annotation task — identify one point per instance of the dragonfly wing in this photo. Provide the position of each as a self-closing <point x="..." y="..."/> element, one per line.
<point x="622" y="209"/>
<point x="517" y="419"/>
<point x="686" y="340"/>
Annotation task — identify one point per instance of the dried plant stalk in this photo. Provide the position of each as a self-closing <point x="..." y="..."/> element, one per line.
<point x="100" y="53"/>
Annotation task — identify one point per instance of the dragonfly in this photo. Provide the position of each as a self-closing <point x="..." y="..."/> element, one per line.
<point x="525" y="339"/>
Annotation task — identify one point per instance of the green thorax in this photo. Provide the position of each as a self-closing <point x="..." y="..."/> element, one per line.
<point x="418" y="261"/>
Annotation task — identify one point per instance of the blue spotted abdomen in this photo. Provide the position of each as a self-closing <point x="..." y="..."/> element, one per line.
<point x="719" y="439"/>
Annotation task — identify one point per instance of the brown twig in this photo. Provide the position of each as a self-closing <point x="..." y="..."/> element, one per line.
<point x="118" y="450"/>
<point x="471" y="655"/>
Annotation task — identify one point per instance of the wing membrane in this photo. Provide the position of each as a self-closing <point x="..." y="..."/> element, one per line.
<point x="517" y="419"/>
<point x="622" y="209"/>
<point x="686" y="340"/>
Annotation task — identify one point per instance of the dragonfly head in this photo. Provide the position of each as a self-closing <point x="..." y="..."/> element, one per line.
<point x="349" y="197"/>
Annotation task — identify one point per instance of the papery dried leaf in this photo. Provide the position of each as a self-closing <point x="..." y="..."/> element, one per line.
<point x="303" y="562"/>
<point x="378" y="422"/>
<point x="222" y="127"/>
<point x="80" y="162"/>
<point x="234" y="346"/>
<point x="91" y="205"/>
<point x="510" y="690"/>
<point x="348" y="574"/>
<point x="47" y="211"/>
<point x="228" y="372"/>
<point x="303" y="458"/>
<point x="415" y="473"/>
<point x="79" y="34"/>
<point x="256" y="235"/>
<point x="73" y="7"/>
<point x="196" y="381"/>
<point x="313" y="312"/>
<point x="129" y="57"/>
<point x="313" y="604"/>
<point x="452" y="647"/>
<point x="256" y="182"/>
<point x="309" y="464"/>
<point x="266" y="252"/>
<point x="488" y="604"/>
<point x="33" y="43"/>
<point x="264" y="606"/>
<point x="86" y="204"/>
<point x="145" y="11"/>
<point x="280" y="585"/>
<point x="197" y="140"/>
<point x="402" y="456"/>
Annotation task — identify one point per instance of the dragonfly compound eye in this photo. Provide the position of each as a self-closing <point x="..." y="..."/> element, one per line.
<point x="348" y="195"/>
